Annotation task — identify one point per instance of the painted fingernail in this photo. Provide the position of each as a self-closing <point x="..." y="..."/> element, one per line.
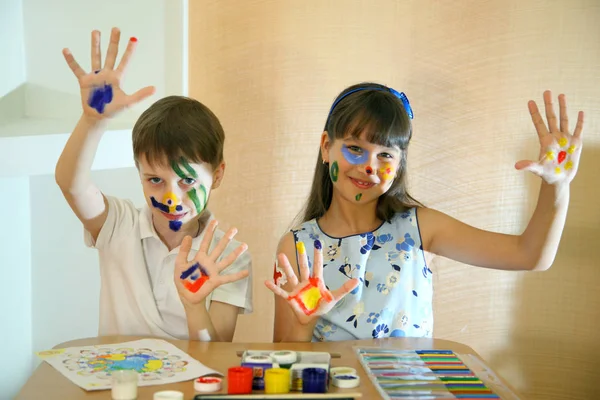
<point x="300" y="248"/>
<point x="133" y="39"/>
<point x="318" y="245"/>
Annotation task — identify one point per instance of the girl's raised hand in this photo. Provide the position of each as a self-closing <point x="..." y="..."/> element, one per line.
<point x="559" y="149"/>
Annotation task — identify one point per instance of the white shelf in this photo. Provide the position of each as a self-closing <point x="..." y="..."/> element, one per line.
<point x="39" y="108"/>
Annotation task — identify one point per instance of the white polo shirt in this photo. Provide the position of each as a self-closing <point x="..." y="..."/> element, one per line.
<point x="137" y="292"/>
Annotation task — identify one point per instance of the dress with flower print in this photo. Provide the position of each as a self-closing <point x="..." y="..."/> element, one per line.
<point x="394" y="297"/>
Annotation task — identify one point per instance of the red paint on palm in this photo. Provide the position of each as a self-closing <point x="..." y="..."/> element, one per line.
<point x="308" y="293"/>
<point x="196" y="285"/>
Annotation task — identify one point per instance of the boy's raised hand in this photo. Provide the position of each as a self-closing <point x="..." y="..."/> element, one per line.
<point x="309" y="298"/>
<point x="559" y="149"/>
<point x="197" y="278"/>
<point x="101" y="93"/>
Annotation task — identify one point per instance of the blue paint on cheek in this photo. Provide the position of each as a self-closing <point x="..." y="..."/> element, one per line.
<point x="355" y="159"/>
<point x="156" y="204"/>
<point x="178" y="208"/>
<point x="100" y="97"/>
<point x="175" y="225"/>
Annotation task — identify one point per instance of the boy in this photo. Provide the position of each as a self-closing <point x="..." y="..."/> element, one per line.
<point x="148" y="286"/>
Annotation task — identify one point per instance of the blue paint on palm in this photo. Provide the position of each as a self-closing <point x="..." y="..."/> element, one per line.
<point x="354" y="158"/>
<point x="100" y="97"/>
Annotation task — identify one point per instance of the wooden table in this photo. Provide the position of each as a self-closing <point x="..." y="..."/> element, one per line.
<point x="47" y="383"/>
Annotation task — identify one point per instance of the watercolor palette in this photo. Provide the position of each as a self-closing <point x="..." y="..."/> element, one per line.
<point x="422" y="374"/>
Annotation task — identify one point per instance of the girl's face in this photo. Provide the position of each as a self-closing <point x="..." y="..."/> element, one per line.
<point x="361" y="171"/>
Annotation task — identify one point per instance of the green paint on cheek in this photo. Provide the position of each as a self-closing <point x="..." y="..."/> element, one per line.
<point x="358" y="196"/>
<point x="334" y="171"/>
<point x="199" y="202"/>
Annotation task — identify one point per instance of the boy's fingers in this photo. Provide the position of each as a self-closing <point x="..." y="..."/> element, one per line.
<point x="113" y="48"/>
<point x="184" y="251"/>
<point x="96" y="54"/>
<point x="208" y="236"/>
<point x="131" y="45"/>
<point x="222" y="244"/>
<point x="227" y="261"/>
<point x="223" y="279"/>
<point x="73" y="65"/>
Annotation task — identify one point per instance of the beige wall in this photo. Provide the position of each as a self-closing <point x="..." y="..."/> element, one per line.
<point x="270" y="69"/>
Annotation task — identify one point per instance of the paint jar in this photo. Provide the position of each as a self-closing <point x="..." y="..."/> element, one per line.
<point x="168" y="395"/>
<point x="314" y="380"/>
<point x="239" y="380"/>
<point x="259" y="364"/>
<point x="277" y="381"/>
<point x="124" y="384"/>
<point x="285" y="358"/>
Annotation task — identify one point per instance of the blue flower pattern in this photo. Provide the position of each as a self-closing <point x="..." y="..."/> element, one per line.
<point x="395" y="296"/>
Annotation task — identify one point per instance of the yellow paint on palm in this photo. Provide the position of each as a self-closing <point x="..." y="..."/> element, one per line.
<point x="549" y="155"/>
<point x="562" y="142"/>
<point x="571" y="150"/>
<point x="311" y="298"/>
<point x="568" y="165"/>
<point x="300" y="247"/>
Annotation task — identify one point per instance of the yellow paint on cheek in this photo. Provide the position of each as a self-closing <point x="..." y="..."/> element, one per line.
<point x="386" y="172"/>
<point x="311" y="298"/>
<point x="300" y="247"/>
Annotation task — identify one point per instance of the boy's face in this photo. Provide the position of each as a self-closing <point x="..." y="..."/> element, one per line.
<point x="360" y="170"/>
<point x="177" y="193"/>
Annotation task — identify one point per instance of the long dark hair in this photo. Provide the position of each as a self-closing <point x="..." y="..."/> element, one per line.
<point x="378" y="111"/>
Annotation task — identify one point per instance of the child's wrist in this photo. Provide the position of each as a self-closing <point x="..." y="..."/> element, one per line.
<point x="92" y="123"/>
<point x="194" y="308"/>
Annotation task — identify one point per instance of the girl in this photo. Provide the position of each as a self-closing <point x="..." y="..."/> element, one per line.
<point x="368" y="235"/>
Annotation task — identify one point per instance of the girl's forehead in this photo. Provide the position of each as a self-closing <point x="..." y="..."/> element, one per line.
<point x="363" y="142"/>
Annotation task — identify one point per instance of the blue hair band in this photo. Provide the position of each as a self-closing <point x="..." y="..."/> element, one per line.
<point x="399" y="95"/>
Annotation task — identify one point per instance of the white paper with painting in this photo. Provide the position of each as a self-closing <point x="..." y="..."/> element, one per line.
<point x="156" y="361"/>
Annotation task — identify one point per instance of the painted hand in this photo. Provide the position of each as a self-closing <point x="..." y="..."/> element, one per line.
<point x="309" y="298"/>
<point x="560" y="150"/>
<point x="101" y="93"/>
<point x="197" y="278"/>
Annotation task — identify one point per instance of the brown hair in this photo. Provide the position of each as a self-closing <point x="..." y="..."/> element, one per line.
<point x="176" y="127"/>
<point x="375" y="110"/>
